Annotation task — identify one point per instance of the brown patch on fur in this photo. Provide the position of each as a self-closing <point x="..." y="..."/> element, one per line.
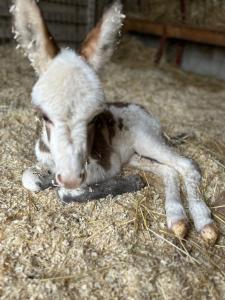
<point x="50" y="44"/>
<point x="100" y="135"/>
<point x="105" y="121"/>
<point x="43" y="147"/>
<point x="89" y="45"/>
<point x="51" y="47"/>
<point x="101" y="150"/>
<point x="33" y="30"/>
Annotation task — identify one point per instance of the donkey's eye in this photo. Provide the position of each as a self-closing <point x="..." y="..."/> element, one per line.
<point x="45" y="118"/>
<point x="42" y="114"/>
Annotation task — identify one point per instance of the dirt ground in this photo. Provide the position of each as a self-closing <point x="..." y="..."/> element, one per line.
<point x="113" y="248"/>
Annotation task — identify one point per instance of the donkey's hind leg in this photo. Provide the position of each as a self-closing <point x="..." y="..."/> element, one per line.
<point x="154" y="147"/>
<point x="175" y="213"/>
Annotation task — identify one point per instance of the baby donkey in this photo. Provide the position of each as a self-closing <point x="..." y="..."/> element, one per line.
<point x="86" y="140"/>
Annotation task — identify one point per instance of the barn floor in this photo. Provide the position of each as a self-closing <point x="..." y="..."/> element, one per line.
<point x="114" y="248"/>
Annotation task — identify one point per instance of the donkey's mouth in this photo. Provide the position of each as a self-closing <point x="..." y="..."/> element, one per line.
<point x="69" y="183"/>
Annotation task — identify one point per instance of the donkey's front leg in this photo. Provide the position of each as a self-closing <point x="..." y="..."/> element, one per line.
<point x="41" y="175"/>
<point x="37" y="178"/>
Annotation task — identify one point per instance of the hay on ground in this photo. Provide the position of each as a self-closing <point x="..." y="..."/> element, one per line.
<point x="114" y="248"/>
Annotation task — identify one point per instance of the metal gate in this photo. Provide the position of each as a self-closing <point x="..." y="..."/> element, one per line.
<point x="68" y="20"/>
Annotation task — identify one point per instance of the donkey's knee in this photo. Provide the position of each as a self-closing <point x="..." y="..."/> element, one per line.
<point x="189" y="169"/>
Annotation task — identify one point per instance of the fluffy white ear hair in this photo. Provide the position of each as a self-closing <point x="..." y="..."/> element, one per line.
<point x="98" y="47"/>
<point x="32" y="34"/>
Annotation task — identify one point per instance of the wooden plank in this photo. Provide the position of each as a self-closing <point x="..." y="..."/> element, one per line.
<point x="182" y="32"/>
<point x="68" y="2"/>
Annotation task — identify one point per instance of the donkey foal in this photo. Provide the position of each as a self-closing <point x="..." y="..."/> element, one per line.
<point x="125" y="134"/>
<point x="85" y="140"/>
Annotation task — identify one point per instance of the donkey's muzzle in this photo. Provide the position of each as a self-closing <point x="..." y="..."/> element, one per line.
<point x="69" y="183"/>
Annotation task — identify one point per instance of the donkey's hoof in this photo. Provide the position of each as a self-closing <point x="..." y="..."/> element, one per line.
<point x="36" y="178"/>
<point x="180" y="228"/>
<point x="210" y="233"/>
<point x="30" y="181"/>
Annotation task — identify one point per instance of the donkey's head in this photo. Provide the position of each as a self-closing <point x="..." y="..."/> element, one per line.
<point x="68" y="91"/>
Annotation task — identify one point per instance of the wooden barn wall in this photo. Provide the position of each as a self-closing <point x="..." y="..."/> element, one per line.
<point x="199" y="13"/>
<point x="209" y="14"/>
<point x="68" y="20"/>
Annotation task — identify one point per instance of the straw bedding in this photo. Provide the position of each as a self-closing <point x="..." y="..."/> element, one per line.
<point x="113" y="248"/>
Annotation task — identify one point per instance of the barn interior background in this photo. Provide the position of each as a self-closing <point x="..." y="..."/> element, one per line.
<point x="119" y="248"/>
<point x="176" y="28"/>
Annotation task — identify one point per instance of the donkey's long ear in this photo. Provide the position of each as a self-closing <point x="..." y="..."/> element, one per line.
<point x="98" y="47"/>
<point x="32" y="34"/>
